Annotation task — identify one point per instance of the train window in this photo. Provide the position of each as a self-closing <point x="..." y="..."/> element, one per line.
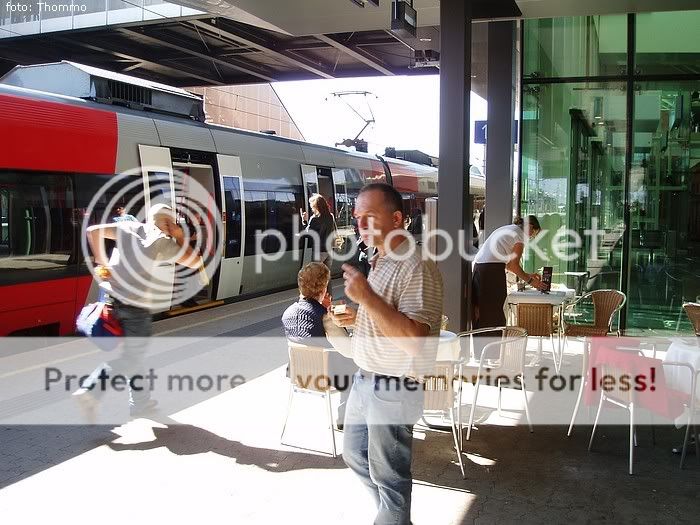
<point x="159" y="188"/>
<point x="232" y="195"/>
<point x="126" y="191"/>
<point x="38" y="227"/>
<point x="274" y="210"/>
<point x="255" y="218"/>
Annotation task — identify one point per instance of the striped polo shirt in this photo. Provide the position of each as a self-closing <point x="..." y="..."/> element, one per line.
<point x="414" y="287"/>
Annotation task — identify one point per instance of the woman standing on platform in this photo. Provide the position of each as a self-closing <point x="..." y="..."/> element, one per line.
<point x="501" y="251"/>
<point x="323" y="224"/>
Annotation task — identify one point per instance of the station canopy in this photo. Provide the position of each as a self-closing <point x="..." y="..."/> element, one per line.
<point x="253" y="41"/>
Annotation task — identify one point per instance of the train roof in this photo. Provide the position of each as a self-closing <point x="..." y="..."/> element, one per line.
<point x="66" y="99"/>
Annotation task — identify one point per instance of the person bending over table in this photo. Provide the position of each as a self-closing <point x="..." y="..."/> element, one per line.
<point x="501" y="251"/>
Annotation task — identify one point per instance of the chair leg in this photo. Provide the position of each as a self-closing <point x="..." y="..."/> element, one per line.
<point x="471" y="413"/>
<point x="459" y="411"/>
<point x="633" y="438"/>
<point x="500" y="391"/>
<point x="576" y="407"/>
<point x="527" y="408"/>
<point x="555" y="356"/>
<point x="578" y="402"/>
<point x="685" y="439"/>
<point x="289" y="409"/>
<point x="330" y="421"/>
<point x="457" y="444"/>
<point x="595" y="423"/>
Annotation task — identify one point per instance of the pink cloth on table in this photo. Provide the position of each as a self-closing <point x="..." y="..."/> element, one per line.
<point x="646" y="376"/>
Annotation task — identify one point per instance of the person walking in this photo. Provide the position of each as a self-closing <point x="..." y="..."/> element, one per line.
<point x="399" y="314"/>
<point x="132" y="280"/>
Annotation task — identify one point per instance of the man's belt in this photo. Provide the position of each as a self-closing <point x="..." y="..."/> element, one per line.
<point x="368" y="374"/>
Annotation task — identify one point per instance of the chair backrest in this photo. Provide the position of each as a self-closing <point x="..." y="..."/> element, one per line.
<point x="510" y="350"/>
<point x="616" y="389"/>
<point x="537" y="319"/>
<point x="605" y="304"/>
<point x="439" y="387"/>
<point x="692" y="310"/>
<point x="308" y="367"/>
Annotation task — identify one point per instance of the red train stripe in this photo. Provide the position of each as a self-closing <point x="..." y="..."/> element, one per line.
<point x="44" y="135"/>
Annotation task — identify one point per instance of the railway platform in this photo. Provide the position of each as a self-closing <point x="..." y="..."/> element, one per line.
<point x="220" y="459"/>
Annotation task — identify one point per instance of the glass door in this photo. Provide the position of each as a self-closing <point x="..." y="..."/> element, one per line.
<point x="664" y="196"/>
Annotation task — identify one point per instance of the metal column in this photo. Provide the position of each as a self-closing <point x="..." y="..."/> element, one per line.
<point x="454" y="208"/>
<point x="499" y="132"/>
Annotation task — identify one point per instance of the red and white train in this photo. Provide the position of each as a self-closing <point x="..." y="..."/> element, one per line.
<point x="57" y="150"/>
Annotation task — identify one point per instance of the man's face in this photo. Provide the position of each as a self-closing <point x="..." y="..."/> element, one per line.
<point x="374" y="219"/>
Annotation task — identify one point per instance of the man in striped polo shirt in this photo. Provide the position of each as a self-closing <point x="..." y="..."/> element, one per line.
<point x="396" y="329"/>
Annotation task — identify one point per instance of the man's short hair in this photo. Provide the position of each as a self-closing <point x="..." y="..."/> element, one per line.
<point x="313" y="279"/>
<point x="392" y="198"/>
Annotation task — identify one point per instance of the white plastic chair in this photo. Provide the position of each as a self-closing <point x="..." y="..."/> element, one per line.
<point x="506" y="355"/>
<point x="308" y="374"/>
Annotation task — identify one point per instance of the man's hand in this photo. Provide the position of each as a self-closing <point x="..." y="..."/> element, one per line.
<point x="537" y="282"/>
<point x="357" y="288"/>
<point x="344" y="320"/>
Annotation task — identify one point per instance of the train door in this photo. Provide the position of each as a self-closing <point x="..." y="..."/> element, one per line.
<point x="195" y="201"/>
<point x="232" y="208"/>
<point x="158" y="185"/>
<point x="157" y="170"/>
<point x="309" y="176"/>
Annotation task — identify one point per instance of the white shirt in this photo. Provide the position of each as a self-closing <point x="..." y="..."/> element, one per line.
<point x="414" y="287"/>
<point x="498" y="248"/>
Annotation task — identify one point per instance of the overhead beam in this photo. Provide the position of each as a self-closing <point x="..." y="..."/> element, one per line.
<point x="356" y="53"/>
<point x="298" y="62"/>
<point x="160" y="40"/>
<point x="177" y="71"/>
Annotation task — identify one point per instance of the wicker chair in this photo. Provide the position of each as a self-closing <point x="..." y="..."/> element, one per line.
<point x="440" y="397"/>
<point x="507" y="356"/>
<point x="308" y="374"/>
<point x="606" y="303"/>
<point x="692" y="310"/>
<point x="538" y="320"/>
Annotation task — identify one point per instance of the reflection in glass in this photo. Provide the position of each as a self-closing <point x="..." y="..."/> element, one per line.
<point x="668" y="43"/>
<point x="572" y="178"/>
<point x="665" y="205"/>
<point x="575" y="46"/>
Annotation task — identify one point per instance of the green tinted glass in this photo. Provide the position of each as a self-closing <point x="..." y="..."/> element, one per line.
<point x="575" y="46"/>
<point x="572" y="177"/>
<point x="668" y="43"/>
<point x="664" y="196"/>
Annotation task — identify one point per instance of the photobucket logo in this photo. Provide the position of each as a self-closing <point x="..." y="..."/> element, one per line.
<point x="436" y="244"/>
<point x="143" y="267"/>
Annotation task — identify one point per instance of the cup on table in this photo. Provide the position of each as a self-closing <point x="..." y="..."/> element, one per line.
<point x="338" y="308"/>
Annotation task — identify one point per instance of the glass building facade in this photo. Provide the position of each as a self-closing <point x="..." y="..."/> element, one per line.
<point x="611" y="157"/>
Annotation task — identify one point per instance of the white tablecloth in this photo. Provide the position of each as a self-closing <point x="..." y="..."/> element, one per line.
<point x="682" y="351"/>
<point x="555" y="297"/>
<point x="448" y="347"/>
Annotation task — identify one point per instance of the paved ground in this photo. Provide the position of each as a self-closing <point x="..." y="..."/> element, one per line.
<point x="220" y="460"/>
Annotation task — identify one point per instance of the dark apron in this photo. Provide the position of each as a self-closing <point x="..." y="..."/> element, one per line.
<point x="488" y="295"/>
